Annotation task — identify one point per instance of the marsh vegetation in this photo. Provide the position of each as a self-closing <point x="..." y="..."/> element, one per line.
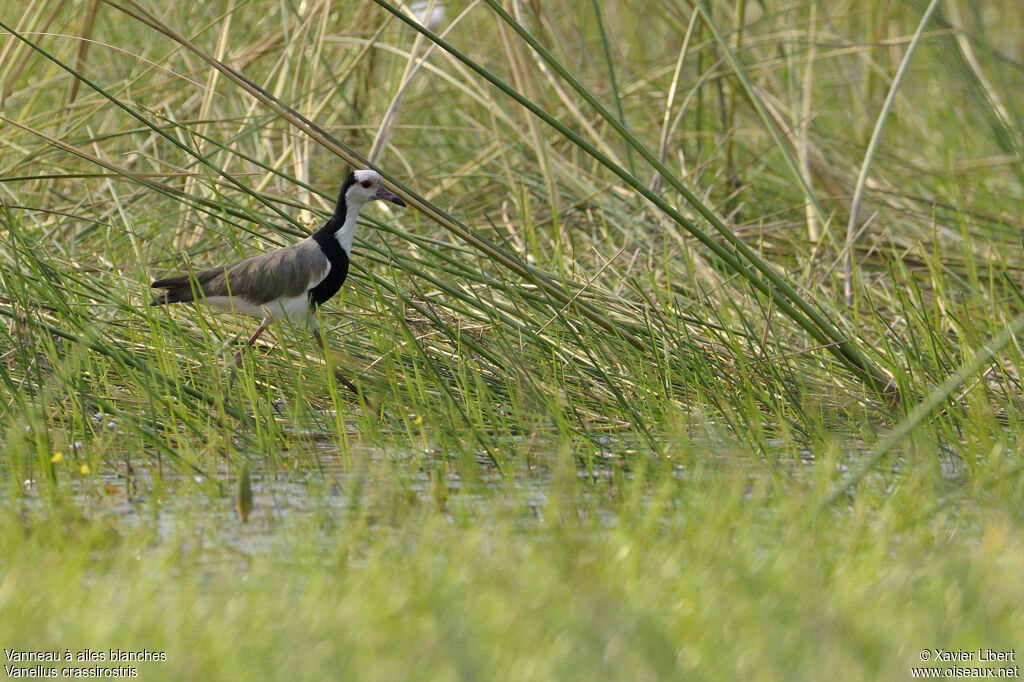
<point x="694" y="356"/>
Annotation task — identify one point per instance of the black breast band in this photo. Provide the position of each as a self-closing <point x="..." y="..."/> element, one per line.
<point x="329" y="286"/>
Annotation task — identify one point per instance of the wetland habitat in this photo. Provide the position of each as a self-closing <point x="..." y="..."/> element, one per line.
<point x="695" y="354"/>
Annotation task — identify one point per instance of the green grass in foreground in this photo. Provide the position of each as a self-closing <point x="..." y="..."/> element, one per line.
<point x="708" y="575"/>
<point x="614" y="442"/>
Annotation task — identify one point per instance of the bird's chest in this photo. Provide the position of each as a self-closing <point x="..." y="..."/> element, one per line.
<point x="329" y="285"/>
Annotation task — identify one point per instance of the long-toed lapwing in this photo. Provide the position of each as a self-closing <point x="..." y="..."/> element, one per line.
<point x="291" y="282"/>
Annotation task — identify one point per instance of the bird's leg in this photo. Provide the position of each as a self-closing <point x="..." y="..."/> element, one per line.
<point x="337" y="372"/>
<point x="252" y="339"/>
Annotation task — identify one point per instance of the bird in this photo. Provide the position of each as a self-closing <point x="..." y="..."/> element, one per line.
<point x="289" y="283"/>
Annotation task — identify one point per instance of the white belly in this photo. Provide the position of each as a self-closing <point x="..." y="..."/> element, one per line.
<point x="295" y="309"/>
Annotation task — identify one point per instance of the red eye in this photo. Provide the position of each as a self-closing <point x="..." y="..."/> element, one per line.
<point x="366" y="184"/>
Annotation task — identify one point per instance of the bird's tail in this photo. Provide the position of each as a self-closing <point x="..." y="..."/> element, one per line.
<point x="178" y="290"/>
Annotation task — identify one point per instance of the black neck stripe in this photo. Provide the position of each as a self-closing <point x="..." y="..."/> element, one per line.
<point x="338" y="259"/>
<point x="325" y="238"/>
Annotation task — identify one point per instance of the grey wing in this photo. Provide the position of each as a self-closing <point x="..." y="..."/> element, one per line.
<point x="287" y="272"/>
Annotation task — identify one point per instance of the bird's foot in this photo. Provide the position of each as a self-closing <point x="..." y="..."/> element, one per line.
<point x="364" y="399"/>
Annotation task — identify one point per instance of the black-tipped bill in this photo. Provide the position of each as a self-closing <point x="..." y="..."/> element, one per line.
<point x="387" y="195"/>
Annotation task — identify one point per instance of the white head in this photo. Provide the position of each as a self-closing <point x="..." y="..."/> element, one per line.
<point x="359" y="187"/>
<point x="364" y="185"/>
